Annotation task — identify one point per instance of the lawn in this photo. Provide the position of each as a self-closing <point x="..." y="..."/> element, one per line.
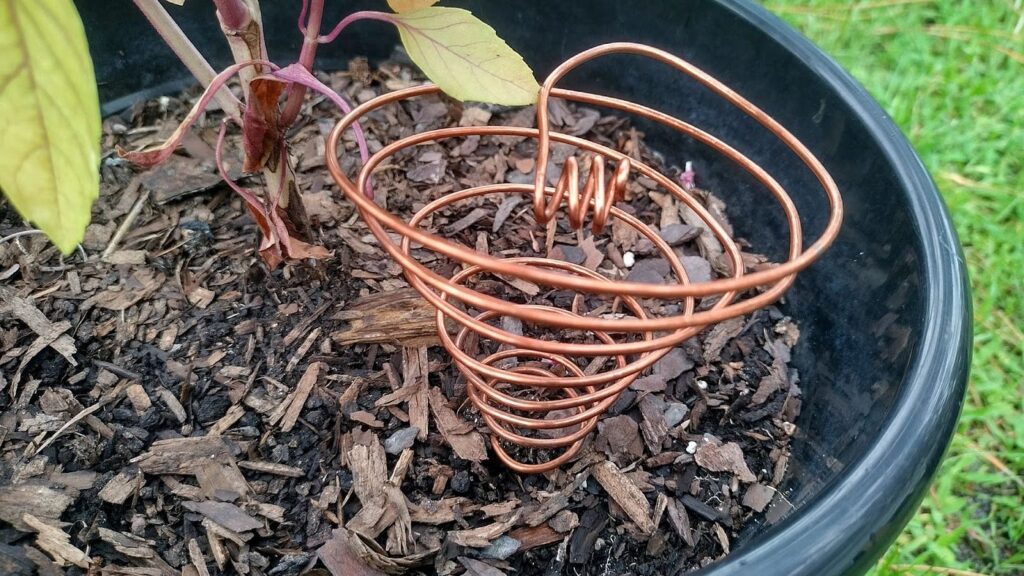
<point x="951" y="73"/>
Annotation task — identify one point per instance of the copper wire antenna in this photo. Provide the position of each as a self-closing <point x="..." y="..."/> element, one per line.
<point x="532" y="391"/>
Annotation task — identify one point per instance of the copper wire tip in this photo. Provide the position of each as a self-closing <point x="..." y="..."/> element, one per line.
<point x="532" y="391"/>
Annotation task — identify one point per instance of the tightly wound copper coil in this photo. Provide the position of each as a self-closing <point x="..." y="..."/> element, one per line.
<point x="548" y="387"/>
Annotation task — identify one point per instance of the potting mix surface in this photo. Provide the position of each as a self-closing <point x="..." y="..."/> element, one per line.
<point x="171" y="406"/>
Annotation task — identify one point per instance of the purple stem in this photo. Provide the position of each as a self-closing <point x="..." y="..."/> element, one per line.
<point x="310" y="42"/>
<point x="234" y="14"/>
<point x="362" y="15"/>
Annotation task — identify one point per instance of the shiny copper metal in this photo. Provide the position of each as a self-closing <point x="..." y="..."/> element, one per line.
<point x="531" y="391"/>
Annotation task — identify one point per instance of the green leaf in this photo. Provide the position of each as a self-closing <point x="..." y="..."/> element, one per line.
<point x="49" y="118"/>
<point x="401" y="6"/>
<point x="465" y="57"/>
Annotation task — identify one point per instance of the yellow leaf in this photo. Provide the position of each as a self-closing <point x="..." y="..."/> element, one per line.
<point x="401" y="6"/>
<point x="49" y="118"/>
<point x="465" y="57"/>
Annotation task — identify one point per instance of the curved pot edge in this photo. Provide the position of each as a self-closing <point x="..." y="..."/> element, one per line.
<point x="903" y="462"/>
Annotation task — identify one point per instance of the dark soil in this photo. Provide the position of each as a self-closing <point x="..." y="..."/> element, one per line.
<point x="171" y="406"/>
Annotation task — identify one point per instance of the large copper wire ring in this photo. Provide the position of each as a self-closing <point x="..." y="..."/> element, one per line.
<point x="642" y="338"/>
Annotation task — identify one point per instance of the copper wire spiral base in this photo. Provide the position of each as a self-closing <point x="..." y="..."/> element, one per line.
<point x="531" y="391"/>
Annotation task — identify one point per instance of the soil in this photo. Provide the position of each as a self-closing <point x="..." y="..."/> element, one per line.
<point x="170" y="405"/>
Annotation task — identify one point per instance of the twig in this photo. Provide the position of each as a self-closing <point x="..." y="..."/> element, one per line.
<point x="122" y="372"/>
<point x="74" y="420"/>
<point x="126" y="223"/>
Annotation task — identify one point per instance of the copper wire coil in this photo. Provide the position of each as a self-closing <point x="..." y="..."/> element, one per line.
<point x="631" y="338"/>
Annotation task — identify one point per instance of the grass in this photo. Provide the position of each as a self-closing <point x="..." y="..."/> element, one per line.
<point x="951" y="73"/>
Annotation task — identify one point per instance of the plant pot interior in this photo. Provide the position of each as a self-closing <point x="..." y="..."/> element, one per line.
<point x="863" y="308"/>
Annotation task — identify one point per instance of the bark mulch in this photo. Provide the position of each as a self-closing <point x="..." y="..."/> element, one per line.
<point x="170" y="406"/>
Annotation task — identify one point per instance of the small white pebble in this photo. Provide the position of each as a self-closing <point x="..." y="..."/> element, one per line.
<point x="691" y="448"/>
<point x="702" y="385"/>
<point x="629" y="259"/>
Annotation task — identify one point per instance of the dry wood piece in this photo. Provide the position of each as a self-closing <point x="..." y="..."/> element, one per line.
<point x="138" y="397"/>
<point x="221" y="480"/>
<point x="272" y="468"/>
<point x="717" y="457"/>
<point x="370" y="483"/>
<point x="234" y="414"/>
<point x="400" y="317"/>
<point x="340" y="558"/>
<point x="55" y="542"/>
<point x="438" y="512"/>
<point x="227" y="515"/>
<point x="680" y="521"/>
<point x="625" y="494"/>
<point x="653" y="427"/>
<point x="479" y="568"/>
<point x="465" y="441"/>
<point x="45" y="503"/>
<point x="172" y="403"/>
<point x="195" y="554"/>
<point x="535" y="536"/>
<point x="758" y="496"/>
<point x="300" y="395"/>
<point x="183" y="455"/>
<point x="483" y="536"/>
<point x="121" y="486"/>
<point x="415" y="368"/>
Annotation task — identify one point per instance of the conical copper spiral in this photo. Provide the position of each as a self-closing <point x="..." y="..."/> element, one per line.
<point x="532" y="391"/>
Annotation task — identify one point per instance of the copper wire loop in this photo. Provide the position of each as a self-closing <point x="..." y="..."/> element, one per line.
<point x="532" y="391"/>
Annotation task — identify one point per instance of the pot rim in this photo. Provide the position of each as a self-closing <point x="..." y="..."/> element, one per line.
<point x="851" y="523"/>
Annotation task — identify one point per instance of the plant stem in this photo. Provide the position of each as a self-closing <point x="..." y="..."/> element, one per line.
<point x="310" y="42"/>
<point x="234" y="14"/>
<point x="242" y="24"/>
<point x="361" y="15"/>
<point x="183" y="48"/>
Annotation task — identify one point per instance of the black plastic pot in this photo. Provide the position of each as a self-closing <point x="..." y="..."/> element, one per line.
<point x="885" y="316"/>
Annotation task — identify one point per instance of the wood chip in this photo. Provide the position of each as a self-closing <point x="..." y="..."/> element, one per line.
<point x="625" y="494"/>
<point x="478" y="568"/>
<point x="120" y="487"/>
<point x="182" y="455"/>
<point x="482" y="536"/>
<point x="400" y="317"/>
<point x="415" y="368"/>
<point x="55" y="542"/>
<point x="172" y="403"/>
<point x="137" y="396"/>
<point x="465" y="441"/>
<point x="717" y="457"/>
<point x="272" y="468"/>
<point x="45" y="503"/>
<point x="680" y="521"/>
<point x="227" y="515"/>
<point x="531" y="537"/>
<point x="195" y="554"/>
<point x="302" y="390"/>
<point x="369" y="474"/>
<point x="653" y="426"/>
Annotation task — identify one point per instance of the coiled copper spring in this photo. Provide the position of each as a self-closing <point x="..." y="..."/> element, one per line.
<point x="531" y="390"/>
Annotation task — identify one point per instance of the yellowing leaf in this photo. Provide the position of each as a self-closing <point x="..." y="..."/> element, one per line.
<point x="465" y="57"/>
<point x="410" y="5"/>
<point x="49" y="118"/>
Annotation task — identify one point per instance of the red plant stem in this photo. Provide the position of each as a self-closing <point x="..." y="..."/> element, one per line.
<point x="234" y="14"/>
<point x="310" y="42"/>
<point x="361" y="15"/>
<point x="189" y="55"/>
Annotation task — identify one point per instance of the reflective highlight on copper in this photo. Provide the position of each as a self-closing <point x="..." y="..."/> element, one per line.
<point x="547" y="387"/>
